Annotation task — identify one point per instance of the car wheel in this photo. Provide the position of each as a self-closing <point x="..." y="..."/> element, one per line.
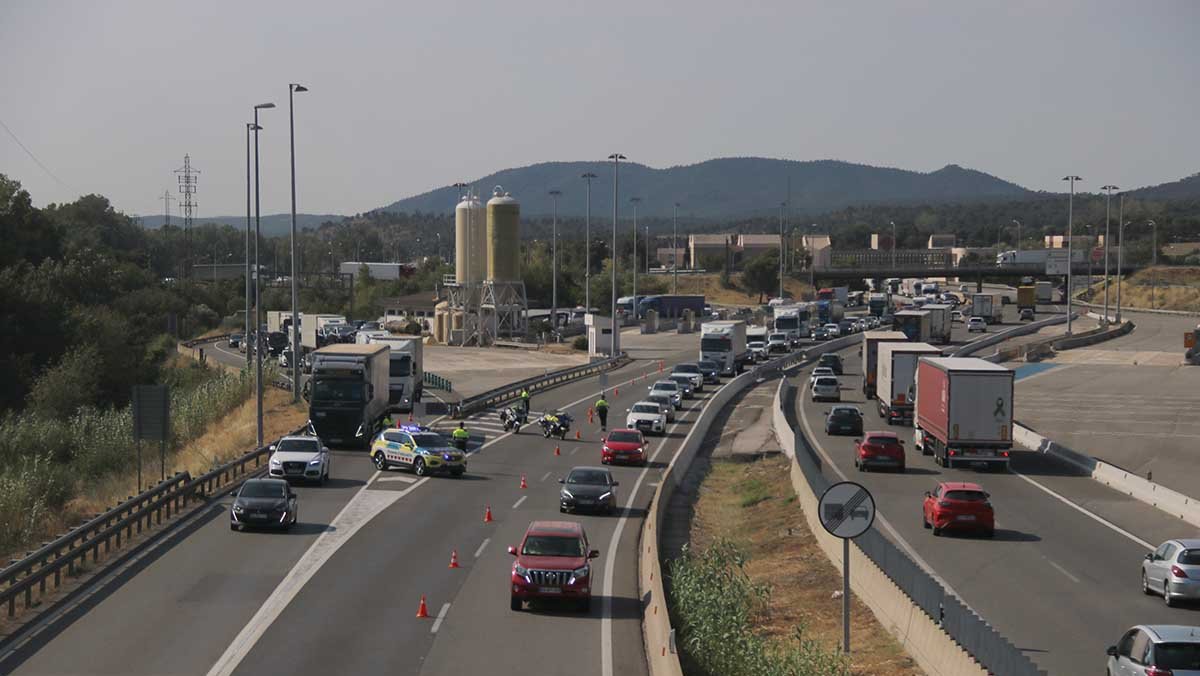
<point x="457" y="473"/>
<point x="989" y="533"/>
<point x="419" y="467"/>
<point x="325" y="476"/>
<point x="1146" y="585"/>
<point x="937" y="531"/>
<point x="1166" y="594"/>
<point x="514" y="603"/>
<point x="924" y="521"/>
<point x="380" y="461"/>
<point x="546" y="433"/>
<point x="236" y="528"/>
<point x="900" y="469"/>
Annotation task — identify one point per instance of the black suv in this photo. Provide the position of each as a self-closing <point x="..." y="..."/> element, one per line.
<point x="831" y="360"/>
<point x="844" y="420"/>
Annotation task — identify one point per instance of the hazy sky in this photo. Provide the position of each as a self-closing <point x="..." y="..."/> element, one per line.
<point x="408" y="96"/>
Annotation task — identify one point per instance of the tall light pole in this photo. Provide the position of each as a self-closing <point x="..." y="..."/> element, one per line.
<point x="1018" y="233"/>
<point x="781" y="207"/>
<point x="1091" y="240"/>
<point x="1153" y="261"/>
<point x="250" y="126"/>
<point x="893" y="224"/>
<point x="812" y="259"/>
<point x="646" y="262"/>
<point x="635" y="201"/>
<point x="616" y="158"/>
<point x="554" y="262"/>
<point x="675" y="249"/>
<point x="1070" y="243"/>
<point x="1107" y="212"/>
<point x="258" y="375"/>
<point x="1120" y="255"/>
<point x="293" y="88"/>
<point x="587" y="245"/>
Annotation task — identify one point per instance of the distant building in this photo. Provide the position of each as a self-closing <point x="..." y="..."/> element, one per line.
<point x="667" y="256"/>
<point x="701" y="247"/>
<point x="942" y="241"/>
<point x="750" y="246"/>
<point x="415" y="306"/>
<point x="1060" y="241"/>
<point x="881" y="241"/>
<point x="377" y="270"/>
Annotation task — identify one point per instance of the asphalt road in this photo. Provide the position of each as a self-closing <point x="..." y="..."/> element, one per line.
<point x="1061" y="577"/>
<point x="339" y="593"/>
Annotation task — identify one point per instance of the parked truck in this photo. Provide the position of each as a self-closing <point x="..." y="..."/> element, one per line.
<point x="1027" y="297"/>
<point x="348" y="392"/>
<point x="725" y="343"/>
<point x="939" y="322"/>
<point x="964" y="411"/>
<point x="406" y="373"/>
<point x="987" y="305"/>
<point x="896" y="368"/>
<point x="1044" y="292"/>
<point x="870" y="356"/>
<point x="877" y="304"/>
<point x="914" y="324"/>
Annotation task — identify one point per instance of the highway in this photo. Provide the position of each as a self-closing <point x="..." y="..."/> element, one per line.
<point x="339" y="593"/>
<point x="1060" y="579"/>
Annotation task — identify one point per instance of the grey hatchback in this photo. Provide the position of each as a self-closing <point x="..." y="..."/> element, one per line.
<point x="1173" y="571"/>
<point x="1151" y="649"/>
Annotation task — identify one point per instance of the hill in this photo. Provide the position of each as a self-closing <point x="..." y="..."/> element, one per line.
<point x="1183" y="189"/>
<point x="725" y="188"/>
<point x="272" y="224"/>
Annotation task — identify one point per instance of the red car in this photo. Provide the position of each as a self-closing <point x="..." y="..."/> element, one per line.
<point x="879" y="449"/>
<point x="958" y="505"/>
<point x="624" y="446"/>
<point x="552" y="563"/>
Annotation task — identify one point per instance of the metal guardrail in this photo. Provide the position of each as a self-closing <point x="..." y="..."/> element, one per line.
<point x="997" y="338"/>
<point x="513" y="390"/>
<point x="69" y="552"/>
<point x="436" y="382"/>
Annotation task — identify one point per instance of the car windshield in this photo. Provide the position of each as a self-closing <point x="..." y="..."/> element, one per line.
<point x="588" y="476"/>
<point x="400" y="366"/>
<point x="552" y="545"/>
<point x="427" y="439"/>
<point x="263" y="489"/>
<point x="827" y="382"/>
<point x="625" y="437"/>
<point x="1190" y="557"/>
<point x="297" y="446"/>
<point x="687" y="368"/>
<point x="965" y="496"/>
<point x="645" y="408"/>
<point x="669" y="387"/>
<point x="715" y="344"/>
<point x="1182" y="656"/>
<point x="337" y="390"/>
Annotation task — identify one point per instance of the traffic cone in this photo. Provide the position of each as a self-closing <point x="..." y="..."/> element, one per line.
<point x="410" y="416"/>
<point x="523" y="484"/>
<point x="422" y="611"/>
<point x="453" y="560"/>
<point x="557" y="450"/>
<point x="487" y="514"/>
<point x="590" y="420"/>
<point x="616" y="391"/>
<point x="578" y="436"/>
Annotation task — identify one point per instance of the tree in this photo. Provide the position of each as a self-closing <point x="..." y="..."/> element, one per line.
<point x="761" y="275"/>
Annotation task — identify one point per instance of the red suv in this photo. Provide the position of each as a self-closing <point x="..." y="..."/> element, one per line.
<point x="879" y="449"/>
<point x="552" y="563"/>
<point x="957" y="505"/>
<point x="624" y="446"/>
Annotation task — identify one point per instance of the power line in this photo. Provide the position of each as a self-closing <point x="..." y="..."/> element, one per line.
<point x="34" y="157"/>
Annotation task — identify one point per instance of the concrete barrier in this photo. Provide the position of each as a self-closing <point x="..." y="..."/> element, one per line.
<point x="1092" y="337"/>
<point x="995" y="339"/>
<point x="1172" y="502"/>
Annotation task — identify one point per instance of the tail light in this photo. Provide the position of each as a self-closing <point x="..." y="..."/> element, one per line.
<point x="1176" y="571"/>
<point x="1158" y="671"/>
<point x="952" y="452"/>
<point x="1004" y="454"/>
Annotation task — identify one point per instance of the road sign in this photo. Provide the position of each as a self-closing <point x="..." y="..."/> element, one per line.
<point x="846" y="510"/>
<point x="1057" y="262"/>
<point x="151" y="421"/>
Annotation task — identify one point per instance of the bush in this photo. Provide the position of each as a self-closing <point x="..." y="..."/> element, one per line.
<point x="411" y="329"/>
<point x="201" y="317"/>
<point x="580" y="343"/>
<point x="70" y="384"/>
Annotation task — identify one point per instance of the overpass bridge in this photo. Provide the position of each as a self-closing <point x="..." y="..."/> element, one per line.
<point x="975" y="273"/>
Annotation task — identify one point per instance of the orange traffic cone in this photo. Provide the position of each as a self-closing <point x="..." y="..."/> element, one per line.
<point x="523" y="484"/>
<point x="590" y="420"/>
<point x="557" y="450"/>
<point x="422" y="611"/>
<point x="410" y="417"/>
<point x="616" y="391"/>
<point x="487" y="514"/>
<point x="453" y="559"/>
<point x="578" y="436"/>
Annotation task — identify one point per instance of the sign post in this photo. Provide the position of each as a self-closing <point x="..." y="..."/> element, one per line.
<point x="846" y="510"/>
<point x="152" y="422"/>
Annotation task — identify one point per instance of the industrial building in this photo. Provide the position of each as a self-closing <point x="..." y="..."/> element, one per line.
<point x="388" y="271"/>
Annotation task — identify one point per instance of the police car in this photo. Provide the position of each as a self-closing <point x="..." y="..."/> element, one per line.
<point x="419" y="449"/>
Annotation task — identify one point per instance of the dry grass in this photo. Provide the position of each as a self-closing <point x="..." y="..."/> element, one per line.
<point x="1178" y="289"/>
<point x="710" y="286"/>
<point x="754" y="505"/>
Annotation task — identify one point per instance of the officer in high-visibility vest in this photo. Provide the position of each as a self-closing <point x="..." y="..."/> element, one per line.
<point x="525" y="399"/>
<point x="602" y="411"/>
<point x="388" y="423"/>
<point x="460" y="435"/>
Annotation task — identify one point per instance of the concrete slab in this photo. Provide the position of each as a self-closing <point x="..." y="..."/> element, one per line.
<point x="473" y="370"/>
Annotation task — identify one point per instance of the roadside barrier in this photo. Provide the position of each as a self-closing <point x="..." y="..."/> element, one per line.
<point x="436" y="382"/>
<point x="536" y="383"/>
<point x="995" y="339"/>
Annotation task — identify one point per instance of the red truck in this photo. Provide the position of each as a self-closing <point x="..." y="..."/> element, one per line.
<point x="964" y="411"/>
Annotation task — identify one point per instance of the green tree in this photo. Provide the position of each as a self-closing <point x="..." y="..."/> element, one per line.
<point x="70" y="385"/>
<point x="761" y="275"/>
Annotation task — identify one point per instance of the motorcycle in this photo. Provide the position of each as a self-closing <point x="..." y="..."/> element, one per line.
<point x="513" y="417"/>
<point x="555" y="425"/>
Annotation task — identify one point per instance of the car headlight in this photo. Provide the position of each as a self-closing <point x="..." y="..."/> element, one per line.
<point x="582" y="572"/>
<point x="447" y="457"/>
<point x="314" y="462"/>
<point x="567" y="494"/>
<point x="275" y="462"/>
<point x="521" y="571"/>
<point x="238" y="509"/>
<point x="606" y="496"/>
<point x="606" y="449"/>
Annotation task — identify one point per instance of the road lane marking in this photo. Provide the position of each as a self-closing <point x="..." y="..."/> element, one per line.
<point x="546" y="476"/>
<point x="518" y="502"/>
<point x="1063" y="571"/>
<point x="479" y="552"/>
<point x="405" y="479"/>
<point x="362" y="508"/>
<point x="440" y="616"/>
<point x="573" y="450"/>
<point x="1091" y="515"/>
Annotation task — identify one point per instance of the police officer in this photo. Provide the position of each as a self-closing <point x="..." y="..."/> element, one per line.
<point x="525" y="399"/>
<point x="602" y="411"/>
<point x="460" y="435"/>
<point x="388" y="422"/>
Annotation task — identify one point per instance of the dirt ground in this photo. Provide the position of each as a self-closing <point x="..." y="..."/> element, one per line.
<point x="753" y="504"/>
<point x="1178" y="288"/>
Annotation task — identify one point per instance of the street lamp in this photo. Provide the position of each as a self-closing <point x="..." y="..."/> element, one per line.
<point x="893" y="224"/>
<point x="781" y="207"/>
<point x="250" y="126"/>
<point x="258" y="377"/>
<point x="616" y="158"/>
<point x="675" y="249"/>
<point x="635" y="201"/>
<point x="1091" y="246"/>
<point x="1120" y="257"/>
<point x="554" y="262"/>
<point x="1018" y="233"/>
<point x="1153" y="261"/>
<point x="587" y="248"/>
<point x="1107" y="212"/>
<point x="293" y="88"/>
<point x="1070" y="243"/>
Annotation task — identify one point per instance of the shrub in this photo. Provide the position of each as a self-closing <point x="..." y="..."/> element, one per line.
<point x="411" y="328"/>
<point x="70" y="384"/>
<point x="580" y="343"/>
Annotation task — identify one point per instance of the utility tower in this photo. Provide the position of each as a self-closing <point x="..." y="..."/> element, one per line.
<point x="188" y="178"/>
<point x="167" y="199"/>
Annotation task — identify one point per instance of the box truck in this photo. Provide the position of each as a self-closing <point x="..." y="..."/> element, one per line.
<point x="988" y="306"/>
<point x="842" y="295"/>
<point x="312" y="326"/>
<point x="406" y="372"/>
<point x="964" y="411"/>
<point x="348" y="392"/>
<point x="1044" y="292"/>
<point x="877" y="304"/>
<point x="939" y="322"/>
<point x="896" y="369"/>
<point x="913" y="323"/>
<point x="793" y="320"/>
<point x="279" y="320"/>
<point x="1027" y="297"/>
<point x="725" y="343"/>
<point x="870" y="355"/>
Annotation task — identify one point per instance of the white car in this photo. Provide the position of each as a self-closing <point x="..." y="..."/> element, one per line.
<point x="832" y="330"/>
<point x="693" y="372"/>
<point x="976" y="324"/>
<point x="778" y="342"/>
<point x="956" y="316"/>
<point x="669" y="388"/>
<point x="826" y="388"/>
<point x="664" y="404"/>
<point x="299" y="458"/>
<point x="758" y="350"/>
<point x="820" y="371"/>
<point x="647" y="417"/>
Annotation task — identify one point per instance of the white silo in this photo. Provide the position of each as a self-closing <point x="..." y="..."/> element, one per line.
<point x="504" y="237"/>
<point x="470" y="241"/>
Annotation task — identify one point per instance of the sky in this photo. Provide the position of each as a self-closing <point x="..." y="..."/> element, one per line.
<point x="410" y="96"/>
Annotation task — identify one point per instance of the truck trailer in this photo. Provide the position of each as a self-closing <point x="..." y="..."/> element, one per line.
<point x="870" y="356"/>
<point x="725" y="343"/>
<point x="896" y="368"/>
<point x="670" y="306"/>
<point x="915" y="324"/>
<point x="794" y="320"/>
<point x="939" y="322"/>
<point x="1045" y="292"/>
<point x="989" y="306"/>
<point x="964" y="411"/>
<point x="1027" y="297"/>
<point x="406" y="373"/>
<point x="348" y="392"/>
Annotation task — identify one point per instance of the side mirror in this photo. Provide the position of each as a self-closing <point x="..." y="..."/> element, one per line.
<point x="615" y="483"/>
<point x="1112" y="651"/>
<point x="324" y="449"/>
<point x="928" y="494"/>
<point x="561" y="481"/>
<point x="629" y="410"/>
<point x="1150" y="556"/>
<point x="858" y="441"/>
<point x="512" y="550"/>
<point x="291" y="493"/>
<point x="595" y="553"/>
<point x="271" y="448"/>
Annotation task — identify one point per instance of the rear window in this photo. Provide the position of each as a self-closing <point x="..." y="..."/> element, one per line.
<point x="966" y="496"/>
<point x="846" y="413"/>
<point x="625" y="437"/>
<point x="1190" y="557"/>
<point x="882" y="441"/>
<point x="1182" y="656"/>
<point x="827" y="382"/>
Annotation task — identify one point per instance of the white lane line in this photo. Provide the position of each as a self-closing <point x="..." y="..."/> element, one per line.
<point x="573" y="450"/>
<point x="440" y="616"/>
<point x="546" y="476"/>
<point x="518" y="502"/>
<point x="364" y="506"/>
<point x="1063" y="571"/>
<point x="404" y="479"/>
<point x="1091" y="515"/>
<point x="482" y="546"/>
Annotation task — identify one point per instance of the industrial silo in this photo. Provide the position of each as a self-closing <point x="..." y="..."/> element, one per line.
<point x="470" y="241"/>
<point x="503" y="237"/>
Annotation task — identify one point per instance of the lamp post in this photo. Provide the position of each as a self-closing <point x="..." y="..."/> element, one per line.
<point x="1091" y="240"/>
<point x="250" y="126"/>
<point x="293" y="88"/>
<point x="1070" y="243"/>
<point x="1120" y="255"/>
<point x="554" y="262"/>
<point x="587" y="244"/>
<point x="616" y="158"/>
<point x="1018" y="233"/>
<point x="258" y="361"/>
<point x="812" y="258"/>
<point x="675" y="249"/>
<point x="1107" y="212"/>
<point x="646" y="260"/>
<point x="781" y="207"/>
<point x="1153" y="261"/>
<point x="893" y="224"/>
<point x="635" y="201"/>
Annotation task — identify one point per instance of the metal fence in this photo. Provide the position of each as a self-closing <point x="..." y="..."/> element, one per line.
<point x="436" y="382"/>
<point x="992" y="650"/>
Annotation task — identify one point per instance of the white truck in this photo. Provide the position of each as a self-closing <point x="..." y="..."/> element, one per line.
<point x="964" y="411"/>
<point x="913" y="323"/>
<point x="406" y="372"/>
<point x="939" y="322"/>
<point x="989" y="306"/>
<point x="870" y="356"/>
<point x="794" y="321"/>
<point x="279" y="320"/>
<point x="896" y="369"/>
<point x="1045" y="292"/>
<point x="311" y="326"/>
<point x="754" y="333"/>
<point x="724" y="342"/>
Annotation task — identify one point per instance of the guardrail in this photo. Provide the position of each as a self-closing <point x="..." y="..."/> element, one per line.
<point x="70" y="551"/>
<point x="995" y="339"/>
<point x="436" y="382"/>
<point x="513" y="390"/>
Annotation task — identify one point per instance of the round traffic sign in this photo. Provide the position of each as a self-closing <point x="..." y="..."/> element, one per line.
<point x="846" y="510"/>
